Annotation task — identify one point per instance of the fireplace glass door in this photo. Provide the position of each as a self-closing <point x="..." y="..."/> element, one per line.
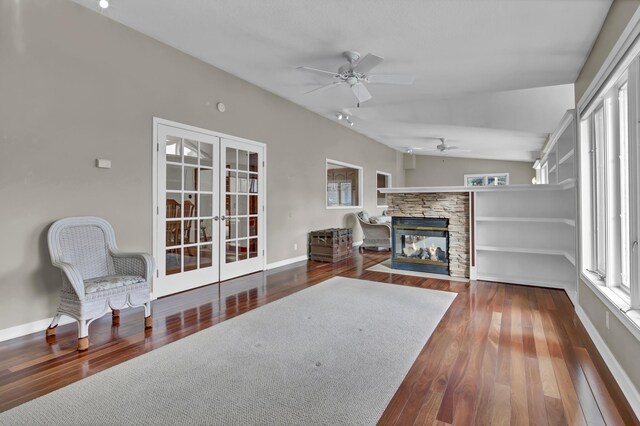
<point x="421" y="244"/>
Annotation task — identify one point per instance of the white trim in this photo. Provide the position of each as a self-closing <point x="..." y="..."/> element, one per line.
<point x="360" y="184"/>
<point x="286" y="262"/>
<point x="389" y="183"/>
<point x="619" y="50"/>
<point x="620" y="376"/>
<point x="31" y="327"/>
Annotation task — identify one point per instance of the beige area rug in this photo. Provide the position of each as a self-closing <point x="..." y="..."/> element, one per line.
<point x="386" y="267"/>
<point x="332" y="354"/>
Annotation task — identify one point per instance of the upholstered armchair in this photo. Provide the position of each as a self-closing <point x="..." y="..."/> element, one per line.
<point x="96" y="277"/>
<point x="376" y="235"/>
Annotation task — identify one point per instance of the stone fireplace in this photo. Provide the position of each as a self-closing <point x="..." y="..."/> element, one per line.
<point x="453" y="206"/>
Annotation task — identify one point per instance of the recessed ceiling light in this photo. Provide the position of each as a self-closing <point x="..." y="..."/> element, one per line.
<point x="103" y="4"/>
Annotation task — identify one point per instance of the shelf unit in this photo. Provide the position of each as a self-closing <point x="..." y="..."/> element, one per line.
<point x="558" y="154"/>
<point x="527" y="236"/>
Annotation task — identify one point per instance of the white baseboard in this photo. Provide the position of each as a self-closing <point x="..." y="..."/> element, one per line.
<point x="289" y="261"/>
<point x="32" y="327"/>
<point x="621" y="377"/>
<point x="286" y="262"/>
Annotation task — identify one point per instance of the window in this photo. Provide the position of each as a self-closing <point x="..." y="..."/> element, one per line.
<point x="598" y="147"/>
<point x="383" y="180"/>
<point x="625" y="255"/>
<point x="344" y="185"/>
<point x="607" y="210"/>
<point x="489" y="179"/>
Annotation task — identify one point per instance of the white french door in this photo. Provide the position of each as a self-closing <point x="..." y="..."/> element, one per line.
<point x="241" y="183"/>
<point x="210" y="207"/>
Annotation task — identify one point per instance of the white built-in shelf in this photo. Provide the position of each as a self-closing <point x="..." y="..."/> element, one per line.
<point x="567" y="157"/>
<point x="529" y="250"/>
<point x="569" y="222"/>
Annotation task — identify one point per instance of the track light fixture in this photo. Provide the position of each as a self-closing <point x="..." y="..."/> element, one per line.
<point x="103" y="4"/>
<point x="346" y="117"/>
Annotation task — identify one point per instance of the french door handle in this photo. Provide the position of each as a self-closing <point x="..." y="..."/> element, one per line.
<point x="222" y="218"/>
<point x="216" y="218"/>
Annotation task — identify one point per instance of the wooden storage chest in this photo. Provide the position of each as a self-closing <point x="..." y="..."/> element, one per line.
<point x="331" y="245"/>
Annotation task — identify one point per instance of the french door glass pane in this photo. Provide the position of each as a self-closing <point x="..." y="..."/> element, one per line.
<point x="174" y="149"/>
<point x="173" y="233"/>
<point x="174" y="177"/>
<point x="231" y="252"/>
<point x="231" y="158"/>
<point x="243" y="160"/>
<point x="190" y="151"/>
<point x="206" y="180"/>
<point x="189" y="205"/>
<point x="242" y="249"/>
<point x="190" y="178"/>
<point x="174" y="261"/>
<point x="205" y="256"/>
<point x="253" y="247"/>
<point x="205" y="230"/>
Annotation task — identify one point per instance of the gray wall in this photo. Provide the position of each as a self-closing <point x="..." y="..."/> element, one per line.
<point x="76" y="86"/>
<point x="438" y="171"/>
<point x="623" y="345"/>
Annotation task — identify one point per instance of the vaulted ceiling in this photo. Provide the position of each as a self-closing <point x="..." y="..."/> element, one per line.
<point x="492" y="76"/>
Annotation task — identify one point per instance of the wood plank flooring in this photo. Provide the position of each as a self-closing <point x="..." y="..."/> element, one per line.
<point x="502" y="354"/>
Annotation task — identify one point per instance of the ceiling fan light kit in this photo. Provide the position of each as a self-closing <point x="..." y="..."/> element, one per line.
<point x="346" y="117"/>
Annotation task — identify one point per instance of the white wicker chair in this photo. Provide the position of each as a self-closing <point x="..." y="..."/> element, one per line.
<point x="376" y="235"/>
<point x="96" y="277"/>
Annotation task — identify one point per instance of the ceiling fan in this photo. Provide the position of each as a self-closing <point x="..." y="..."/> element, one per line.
<point x="356" y="75"/>
<point x="443" y="146"/>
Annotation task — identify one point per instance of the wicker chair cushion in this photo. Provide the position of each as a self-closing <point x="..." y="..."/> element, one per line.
<point x="110" y="281"/>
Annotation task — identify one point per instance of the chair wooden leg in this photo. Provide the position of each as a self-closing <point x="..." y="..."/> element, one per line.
<point x="115" y="317"/>
<point x="83" y="343"/>
<point x="51" y="331"/>
<point x="148" y="322"/>
<point x="115" y="313"/>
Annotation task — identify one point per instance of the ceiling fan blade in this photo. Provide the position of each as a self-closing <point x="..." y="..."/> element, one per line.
<point x="361" y="92"/>
<point x="367" y="63"/>
<point x="326" y="86"/>
<point x="318" y="71"/>
<point x="390" y="79"/>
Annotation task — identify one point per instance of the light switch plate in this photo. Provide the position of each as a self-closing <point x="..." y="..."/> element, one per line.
<point x="103" y="164"/>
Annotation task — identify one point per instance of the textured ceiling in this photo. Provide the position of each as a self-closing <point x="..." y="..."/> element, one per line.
<point x="495" y="76"/>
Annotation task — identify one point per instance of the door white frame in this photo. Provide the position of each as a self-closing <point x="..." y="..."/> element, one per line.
<point x="157" y="121"/>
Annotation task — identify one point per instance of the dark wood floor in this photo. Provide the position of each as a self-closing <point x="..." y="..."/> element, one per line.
<point x="502" y="354"/>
